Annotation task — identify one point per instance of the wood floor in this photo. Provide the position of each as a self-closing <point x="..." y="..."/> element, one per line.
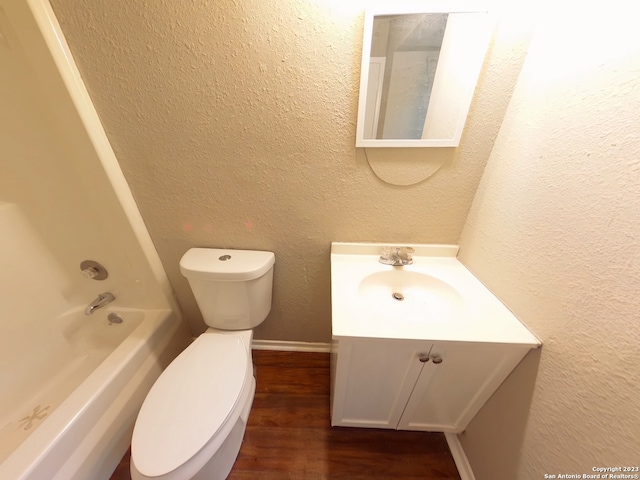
<point x="289" y="434"/>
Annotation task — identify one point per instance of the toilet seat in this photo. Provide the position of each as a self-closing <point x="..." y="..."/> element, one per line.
<point x="192" y="407"/>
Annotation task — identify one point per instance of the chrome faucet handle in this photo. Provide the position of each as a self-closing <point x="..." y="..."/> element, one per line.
<point x="405" y="255"/>
<point x="388" y="255"/>
<point x="396" y="256"/>
<point x="385" y="253"/>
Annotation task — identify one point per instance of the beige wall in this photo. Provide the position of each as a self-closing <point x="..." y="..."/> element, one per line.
<point x="554" y="231"/>
<point x="234" y="123"/>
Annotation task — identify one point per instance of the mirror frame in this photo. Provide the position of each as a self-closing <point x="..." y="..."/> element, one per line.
<point x="474" y="69"/>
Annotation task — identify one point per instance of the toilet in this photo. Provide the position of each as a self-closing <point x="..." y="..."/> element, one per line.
<point x="193" y="420"/>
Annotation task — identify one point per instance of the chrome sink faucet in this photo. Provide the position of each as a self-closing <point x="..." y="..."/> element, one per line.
<point x="396" y="256"/>
<point x="102" y="300"/>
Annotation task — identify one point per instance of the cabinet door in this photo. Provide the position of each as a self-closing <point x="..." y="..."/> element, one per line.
<point x="373" y="380"/>
<point x="456" y="382"/>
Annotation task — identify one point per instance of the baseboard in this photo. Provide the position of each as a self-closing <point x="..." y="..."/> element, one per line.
<point x="290" y="346"/>
<point x="462" y="462"/>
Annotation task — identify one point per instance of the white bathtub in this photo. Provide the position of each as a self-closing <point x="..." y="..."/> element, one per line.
<point x="71" y="396"/>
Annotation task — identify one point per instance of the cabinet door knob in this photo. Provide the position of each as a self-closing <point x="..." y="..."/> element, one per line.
<point x="423" y="357"/>
<point x="437" y="359"/>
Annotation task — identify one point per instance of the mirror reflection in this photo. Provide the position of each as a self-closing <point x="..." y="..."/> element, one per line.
<point x="419" y="71"/>
<point x="403" y="61"/>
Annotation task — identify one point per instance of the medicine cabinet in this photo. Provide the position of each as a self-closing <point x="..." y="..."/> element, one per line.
<point x="419" y="72"/>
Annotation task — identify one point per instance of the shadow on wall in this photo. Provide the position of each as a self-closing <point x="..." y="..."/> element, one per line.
<point x="513" y="400"/>
<point x="409" y="166"/>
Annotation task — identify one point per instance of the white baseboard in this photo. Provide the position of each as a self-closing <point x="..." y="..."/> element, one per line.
<point x="462" y="462"/>
<point x="290" y="346"/>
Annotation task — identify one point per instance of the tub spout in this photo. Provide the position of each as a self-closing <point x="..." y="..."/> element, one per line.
<point x="102" y="300"/>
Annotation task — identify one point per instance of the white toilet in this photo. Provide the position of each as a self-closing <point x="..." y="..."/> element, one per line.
<point x="193" y="420"/>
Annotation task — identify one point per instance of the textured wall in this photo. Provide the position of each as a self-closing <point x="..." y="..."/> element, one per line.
<point x="234" y="123"/>
<point x="554" y="230"/>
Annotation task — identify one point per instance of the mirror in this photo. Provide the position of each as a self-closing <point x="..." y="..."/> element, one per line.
<point x="419" y="72"/>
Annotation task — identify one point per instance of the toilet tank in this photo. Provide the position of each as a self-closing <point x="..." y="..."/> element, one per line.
<point x="232" y="287"/>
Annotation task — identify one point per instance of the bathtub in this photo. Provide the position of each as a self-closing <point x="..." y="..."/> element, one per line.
<point x="68" y="405"/>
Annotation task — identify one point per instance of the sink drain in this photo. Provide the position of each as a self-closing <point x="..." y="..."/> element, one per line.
<point x="397" y="296"/>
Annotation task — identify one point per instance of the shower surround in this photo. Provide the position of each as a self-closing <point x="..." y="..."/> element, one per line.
<point x="72" y="383"/>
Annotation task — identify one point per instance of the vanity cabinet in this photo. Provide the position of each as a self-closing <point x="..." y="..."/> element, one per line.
<point x="415" y="384"/>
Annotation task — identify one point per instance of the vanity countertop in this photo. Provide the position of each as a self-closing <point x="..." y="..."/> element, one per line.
<point x="435" y="298"/>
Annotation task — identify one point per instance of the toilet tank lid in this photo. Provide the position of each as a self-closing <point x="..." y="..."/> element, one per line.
<point x="225" y="264"/>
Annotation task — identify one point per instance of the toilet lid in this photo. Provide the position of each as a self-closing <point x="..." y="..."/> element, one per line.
<point x="189" y="403"/>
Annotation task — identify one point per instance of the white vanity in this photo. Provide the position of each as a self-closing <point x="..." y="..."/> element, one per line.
<point x="416" y="347"/>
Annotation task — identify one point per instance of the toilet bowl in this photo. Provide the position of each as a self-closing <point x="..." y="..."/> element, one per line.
<point x="193" y="419"/>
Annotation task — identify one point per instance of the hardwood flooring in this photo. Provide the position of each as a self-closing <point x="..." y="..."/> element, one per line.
<point x="289" y="435"/>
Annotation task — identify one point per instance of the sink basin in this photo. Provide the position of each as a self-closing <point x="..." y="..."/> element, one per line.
<point x="434" y="298"/>
<point x="408" y="296"/>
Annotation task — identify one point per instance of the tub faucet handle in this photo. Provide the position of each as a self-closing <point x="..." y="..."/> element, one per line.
<point x="92" y="270"/>
<point x="89" y="273"/>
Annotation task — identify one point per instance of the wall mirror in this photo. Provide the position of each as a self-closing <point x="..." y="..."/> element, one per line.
<point x="419" y="72"/>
